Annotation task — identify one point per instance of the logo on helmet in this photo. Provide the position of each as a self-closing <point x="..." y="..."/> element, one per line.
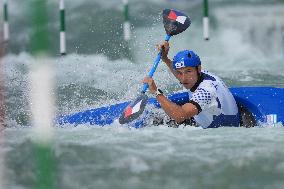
<point x="179" y="65"/>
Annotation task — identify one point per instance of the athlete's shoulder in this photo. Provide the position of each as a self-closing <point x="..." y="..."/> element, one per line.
<point x="209" y="76"/>
<point x="207" y="82"/>
<point x="213" y="79"/>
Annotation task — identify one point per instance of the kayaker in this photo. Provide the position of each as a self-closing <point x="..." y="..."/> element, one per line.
<point x="210" y="104"/>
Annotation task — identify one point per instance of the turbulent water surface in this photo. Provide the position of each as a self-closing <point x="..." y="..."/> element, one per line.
<point x="246" y="48"/>
<point x="155" y="157"/>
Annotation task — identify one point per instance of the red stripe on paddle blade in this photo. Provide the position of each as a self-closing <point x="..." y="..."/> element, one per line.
<point x="172" y="15"/>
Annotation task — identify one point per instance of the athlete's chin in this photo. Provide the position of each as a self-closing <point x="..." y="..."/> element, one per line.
<point x="187" y="85"/>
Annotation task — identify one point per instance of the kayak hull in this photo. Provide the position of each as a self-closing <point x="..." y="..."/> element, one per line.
<point x="259" y="103"/>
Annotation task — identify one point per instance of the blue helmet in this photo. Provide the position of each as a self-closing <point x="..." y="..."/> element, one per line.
<point x="186" y="58"/>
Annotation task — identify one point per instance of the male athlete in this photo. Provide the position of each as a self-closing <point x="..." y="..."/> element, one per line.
<point x="210" y="105"/>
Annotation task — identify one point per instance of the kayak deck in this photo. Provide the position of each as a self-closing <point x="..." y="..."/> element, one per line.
<point x="258" y="103"/>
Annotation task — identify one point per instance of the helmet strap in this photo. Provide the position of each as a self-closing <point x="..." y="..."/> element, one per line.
<point x="199" y="80"/>
<point x="198" y="73"/>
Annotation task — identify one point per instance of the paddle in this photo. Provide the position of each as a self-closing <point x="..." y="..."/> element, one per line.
<point x="174" y="23"/>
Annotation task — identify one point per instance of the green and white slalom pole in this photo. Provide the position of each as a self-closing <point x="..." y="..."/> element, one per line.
<point x="205" y="20"/>
<point x="126" y="24"/>
<point x="41" y="98"/>
<point x="6" y="23"/>
<point x="62" y="28"/>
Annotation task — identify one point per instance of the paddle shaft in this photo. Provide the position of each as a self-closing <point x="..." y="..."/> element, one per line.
<point x="154" y="67"/>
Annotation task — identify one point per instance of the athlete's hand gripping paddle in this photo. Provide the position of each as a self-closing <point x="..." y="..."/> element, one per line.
<point x="174" y="23"/>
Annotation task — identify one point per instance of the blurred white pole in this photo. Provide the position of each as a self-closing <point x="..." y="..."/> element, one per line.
<point x="126" y="24"/>
<point x="6" y="22"/>
<point x="42" y="100"/>
<point x="42" y="108"/>
<point x="62" y="28"/>
<point x="205" y="20"/>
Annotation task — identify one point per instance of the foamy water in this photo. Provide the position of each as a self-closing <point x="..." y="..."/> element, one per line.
<point x="154" y="157"/>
